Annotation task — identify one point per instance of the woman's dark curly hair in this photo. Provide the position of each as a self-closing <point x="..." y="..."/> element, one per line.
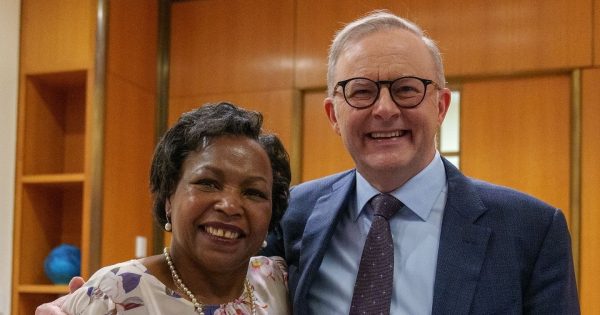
<point x="193" y="131"/>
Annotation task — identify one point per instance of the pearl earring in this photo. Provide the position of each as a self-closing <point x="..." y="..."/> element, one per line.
<point x="168" y="226"/>
<point x="264" y="244"/>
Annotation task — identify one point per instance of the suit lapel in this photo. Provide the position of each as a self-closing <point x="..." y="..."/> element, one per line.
<point x="461" y="251"/>
<point x="320" y="227"/>
<point x="462" y="246"/>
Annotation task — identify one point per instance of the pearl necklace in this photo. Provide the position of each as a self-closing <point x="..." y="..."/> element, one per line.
<point x="199" y="306"/>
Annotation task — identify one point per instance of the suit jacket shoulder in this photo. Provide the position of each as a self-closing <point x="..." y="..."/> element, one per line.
<point x="501" y="251"/>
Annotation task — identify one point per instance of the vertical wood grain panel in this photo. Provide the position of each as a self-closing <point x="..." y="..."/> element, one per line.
<point x="129" y="128"/>
<point x="129" y="144"/>
<point x="133" y="39"/>
<point x="323" y="152"/>
<point x="483" y="37"/>
<point x="596" y="23"/>
<point x="590" y="180"/>
<point x="317" y="22"/>
<point x="57" y="35"/>
<point x="476" y="37"/>
<point x="515" y="132"/>
<point x="231" y="46"/>
<point x="276" y="107"/>
<point x="238" y="51"/>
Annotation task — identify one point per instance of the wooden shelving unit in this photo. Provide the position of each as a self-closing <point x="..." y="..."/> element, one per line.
<point x="53" y="177"/>
<point x="85" y="137"/>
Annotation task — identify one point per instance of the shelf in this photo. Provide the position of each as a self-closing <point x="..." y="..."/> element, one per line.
<point x="28" y="301"/>
<point x="43" y="288"/>
<point x="53" y="178"/>
<point x="54" y="126"/>
<point x="51" y="214"/>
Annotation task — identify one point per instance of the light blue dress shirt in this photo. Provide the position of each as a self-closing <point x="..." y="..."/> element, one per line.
<point x="416" y="234"/>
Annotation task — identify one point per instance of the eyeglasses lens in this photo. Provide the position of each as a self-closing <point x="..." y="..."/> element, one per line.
<point x="406" y="92"/>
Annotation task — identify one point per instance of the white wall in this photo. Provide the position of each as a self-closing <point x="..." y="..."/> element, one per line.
<point x="9" y="66"/>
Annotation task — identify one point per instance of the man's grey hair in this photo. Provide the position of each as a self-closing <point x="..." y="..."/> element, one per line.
<point x="377" y="21"/>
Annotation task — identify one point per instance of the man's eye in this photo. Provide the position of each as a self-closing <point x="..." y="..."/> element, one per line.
<point x="362" y="93"/>
<point x="406" y="91"/>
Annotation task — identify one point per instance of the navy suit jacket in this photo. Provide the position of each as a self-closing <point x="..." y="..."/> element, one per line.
<point x="500" y="252"/>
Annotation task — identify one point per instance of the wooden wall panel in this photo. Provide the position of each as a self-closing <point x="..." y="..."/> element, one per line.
<point x="132" y="48"/>
<point x="476" y="37"/>
<point x="596" y="32"/>
<point x="57" y="35"/>
<point x="316" y="23"/>
<point x="323" y="152"/>
<point x="129" y="128"/>
<point x="276" y="107"/>
<point x="128" y="148"/>
<point x="481" y="37"/>
<point x="590" y="199"/>
<point x="516" y="132"/>
<point x="231" y="46"/>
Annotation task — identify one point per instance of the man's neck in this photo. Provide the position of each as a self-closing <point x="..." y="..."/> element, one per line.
<point x="387" y="180"/>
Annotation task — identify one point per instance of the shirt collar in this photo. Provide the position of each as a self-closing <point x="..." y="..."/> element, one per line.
<point x="418" y="194"/>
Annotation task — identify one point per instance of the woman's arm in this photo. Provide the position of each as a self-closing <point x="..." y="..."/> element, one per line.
<point x="53" y="308"/>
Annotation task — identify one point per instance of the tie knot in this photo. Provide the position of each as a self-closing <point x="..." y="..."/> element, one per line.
<point x="385" y="205"/>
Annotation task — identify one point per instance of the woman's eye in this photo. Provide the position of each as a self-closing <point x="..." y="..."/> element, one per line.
<point x="256" y="193"/>
<point x="208" y="184"/>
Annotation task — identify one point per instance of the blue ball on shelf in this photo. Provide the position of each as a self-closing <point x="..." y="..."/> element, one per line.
<point x="63" y="263"/>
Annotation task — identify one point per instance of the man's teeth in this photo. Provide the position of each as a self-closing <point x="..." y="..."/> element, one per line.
<point x="385" y="134"/>
<point x="221" y="233"/>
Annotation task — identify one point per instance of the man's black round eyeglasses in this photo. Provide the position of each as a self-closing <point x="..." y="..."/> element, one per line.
<point x="406" y="92"/>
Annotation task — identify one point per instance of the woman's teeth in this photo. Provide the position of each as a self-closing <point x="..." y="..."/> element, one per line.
<point x="221" y="233"/>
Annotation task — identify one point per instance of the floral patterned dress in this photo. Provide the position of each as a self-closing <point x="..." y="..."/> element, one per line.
<point x="128" y="288"/>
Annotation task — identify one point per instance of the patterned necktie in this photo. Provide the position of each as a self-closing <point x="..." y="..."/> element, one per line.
<point x="374" y="282"/>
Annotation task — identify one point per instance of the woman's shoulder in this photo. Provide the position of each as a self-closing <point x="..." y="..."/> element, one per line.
<point x="269" y="266"/>
<point x="118" y="280"/>
<point x="131" y="265"/>
<point x="123" y="269"/>
<point x="268" y="277"/>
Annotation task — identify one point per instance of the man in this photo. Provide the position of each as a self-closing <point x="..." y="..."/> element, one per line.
<point x="460" y="246"/>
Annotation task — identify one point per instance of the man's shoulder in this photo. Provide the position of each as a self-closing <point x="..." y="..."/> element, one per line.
<point x="473" y="197"/>
<point x="517" y="209"/>
<point x="322" y="184"/>
<point x="495" y="194"/>
<point x="305" y="195"/>
<point x="492" y="195"/>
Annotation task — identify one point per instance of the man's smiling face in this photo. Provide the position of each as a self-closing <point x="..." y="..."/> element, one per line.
<point x="389" y="144"/>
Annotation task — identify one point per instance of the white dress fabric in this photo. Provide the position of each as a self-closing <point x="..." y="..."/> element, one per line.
<point x="128" y="288"/>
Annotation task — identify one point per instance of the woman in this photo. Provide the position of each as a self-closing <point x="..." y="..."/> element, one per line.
<point x="219" y="186"/>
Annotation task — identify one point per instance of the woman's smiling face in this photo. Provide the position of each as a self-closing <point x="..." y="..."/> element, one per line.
<point x="221" y="207"/>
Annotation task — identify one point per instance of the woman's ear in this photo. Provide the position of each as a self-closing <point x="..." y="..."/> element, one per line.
<point x="168" y="208"/>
